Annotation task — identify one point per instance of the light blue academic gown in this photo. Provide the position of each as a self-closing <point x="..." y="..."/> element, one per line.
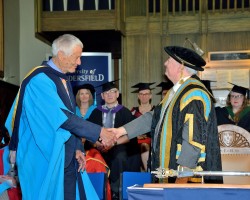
<point x="41" y="147"/>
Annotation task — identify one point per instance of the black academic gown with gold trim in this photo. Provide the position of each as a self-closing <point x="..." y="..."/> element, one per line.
<point x="194" y="136"/>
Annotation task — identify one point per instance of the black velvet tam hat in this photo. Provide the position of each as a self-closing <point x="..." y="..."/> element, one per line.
<point x="109" y="85"/>
<point x="186" y="56"/>
<point x="239" y="89"/>
<point x="165" y="86"/>
<point x="142" y="86"/>
<point x="85" y="86"/>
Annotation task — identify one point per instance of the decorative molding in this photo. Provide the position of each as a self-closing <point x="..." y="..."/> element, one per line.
<point x="234" y="139"/>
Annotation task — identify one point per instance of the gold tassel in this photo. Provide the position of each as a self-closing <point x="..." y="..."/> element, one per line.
<point x="181" y="79"/>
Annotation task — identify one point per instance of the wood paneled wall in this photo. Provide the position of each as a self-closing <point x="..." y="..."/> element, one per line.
<point x="144" y="56"/>
<point x="145" y="31"/>
<point x="144" y="38"/>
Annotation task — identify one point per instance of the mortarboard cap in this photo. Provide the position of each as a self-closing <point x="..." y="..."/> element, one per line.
<point x="207" y="84"/>
<point x="142" y="86"/>
<point x="108" y="85"/>
<point x="85" y="86"/>
<point x="165" y="86"/>
<point x="239" y="89"/>
<point x="186" y="56"/>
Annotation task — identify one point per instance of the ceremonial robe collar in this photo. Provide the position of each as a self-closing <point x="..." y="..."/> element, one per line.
<point x="105" y="109"/>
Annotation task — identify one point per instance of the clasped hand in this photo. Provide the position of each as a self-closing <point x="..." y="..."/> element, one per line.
<point x="108" y="138"/>
<point x="112" y="136"/>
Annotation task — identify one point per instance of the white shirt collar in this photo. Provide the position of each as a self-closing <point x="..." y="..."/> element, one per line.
<point x="178" y="84"/>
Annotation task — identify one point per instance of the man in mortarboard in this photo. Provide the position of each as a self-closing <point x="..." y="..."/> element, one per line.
<point x="207" y="83"/>
<point x="120" y="158"/>
<point x="236" y="111"/>
<point x="185" y="134"/>
<point x="165" y="87"/>
<point x="144" y="99"/>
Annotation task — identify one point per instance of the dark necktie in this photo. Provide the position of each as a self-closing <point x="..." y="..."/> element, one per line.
<point x="67" y="88"/>
<point x="109" y="119"/>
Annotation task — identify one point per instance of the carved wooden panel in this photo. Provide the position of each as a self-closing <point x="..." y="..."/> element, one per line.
<point x="234" y="139"/>
<point x="235" y="152"/>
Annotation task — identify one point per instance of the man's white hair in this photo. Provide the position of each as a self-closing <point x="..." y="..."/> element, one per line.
<point x="65" y="43"/>
<point x="190" y="71"/>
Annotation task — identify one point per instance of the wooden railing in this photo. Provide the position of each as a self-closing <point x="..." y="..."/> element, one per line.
<point x="54" y="16"/>
<point x="79" y="5"/>
<point x="122" y="9"/>
<point x="228" y="5"/>
<point x="81" y="15"/>
<point x="152" y="6"/>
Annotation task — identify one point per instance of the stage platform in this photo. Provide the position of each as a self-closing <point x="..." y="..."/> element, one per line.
<point x="189" y="192"/>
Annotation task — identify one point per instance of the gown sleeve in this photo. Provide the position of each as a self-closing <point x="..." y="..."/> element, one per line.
<point x="139" y="125"/>
<point x="191" y="147"/>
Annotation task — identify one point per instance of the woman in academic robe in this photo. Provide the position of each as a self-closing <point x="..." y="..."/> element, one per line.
<point x="237" y="111"/>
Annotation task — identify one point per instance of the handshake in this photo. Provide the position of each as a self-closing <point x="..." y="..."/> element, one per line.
<point x="109" y="137"/>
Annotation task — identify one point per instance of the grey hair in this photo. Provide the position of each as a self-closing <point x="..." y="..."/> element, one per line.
<point x="191" y="71"/>
<point x="65" y="43"/>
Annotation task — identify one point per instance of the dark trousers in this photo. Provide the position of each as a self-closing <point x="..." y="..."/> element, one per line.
<point x="70" y="177"/>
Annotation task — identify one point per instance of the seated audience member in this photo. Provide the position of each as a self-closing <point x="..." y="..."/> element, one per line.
<point x="144" y="99"/>
<point x="237" y="111"/>
<point x="85" y="100"/>
<point x="207" y="83"/>
<point x="165" y="87"/>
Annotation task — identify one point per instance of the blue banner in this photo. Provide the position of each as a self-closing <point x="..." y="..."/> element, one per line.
<point x="95" y="69"/>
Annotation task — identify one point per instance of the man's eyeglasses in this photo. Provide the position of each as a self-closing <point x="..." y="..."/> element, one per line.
<point x="110" y="92"/>
<point x="236" y="96"/>
<point x="146" y="94"/>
